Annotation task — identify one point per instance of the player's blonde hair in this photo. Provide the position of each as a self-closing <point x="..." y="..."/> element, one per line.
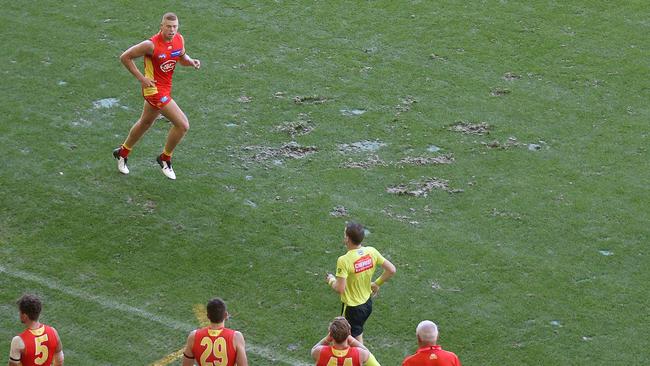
<point x="169" y="16"/>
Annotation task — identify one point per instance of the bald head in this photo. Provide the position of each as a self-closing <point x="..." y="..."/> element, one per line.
<point x="427" y="333"/>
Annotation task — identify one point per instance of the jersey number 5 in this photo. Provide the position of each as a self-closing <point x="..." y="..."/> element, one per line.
<point x="216" y="348"/>
<point x="40" y="350"/>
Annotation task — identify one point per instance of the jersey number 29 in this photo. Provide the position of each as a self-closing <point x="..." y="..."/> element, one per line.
<point x="216" y="348"/>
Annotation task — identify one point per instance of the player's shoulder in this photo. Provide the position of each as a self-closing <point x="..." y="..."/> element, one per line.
<point x="51" y="328"/>
<point x="193" y="333"/>
<point x="178" y="38"/>
<point x="408" y="359"/>
<point x="237" y="334"/>
<point x="450" y="354"/>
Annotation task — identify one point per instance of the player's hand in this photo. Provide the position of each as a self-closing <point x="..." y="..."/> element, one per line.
<point x="374" y="288"/>
<point x="196" y="63"/>
<point x="328" y="277"/>
<point x="148" y="83"/>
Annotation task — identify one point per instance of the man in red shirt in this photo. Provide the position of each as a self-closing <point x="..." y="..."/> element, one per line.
<point x="215" y="344"/>
<point x="429" y="353"/>
<point x="339" y="347"/>
<point x="39" y="344"/>
<point x="161" y="52"/>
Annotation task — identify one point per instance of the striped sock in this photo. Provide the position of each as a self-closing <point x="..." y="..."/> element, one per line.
<point x="165" y="157"/>
<point x="124" y="151"/>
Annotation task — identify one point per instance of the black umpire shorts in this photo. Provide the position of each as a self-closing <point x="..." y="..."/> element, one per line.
<point x="357" y="315"/>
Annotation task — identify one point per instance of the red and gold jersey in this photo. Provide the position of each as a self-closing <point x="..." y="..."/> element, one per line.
<point x="161" y="64"/>
<point x="432" y="356"/>
<point x="214" y="347"/>
<point x="40" y="346"/>
<point x="330" y="356"/>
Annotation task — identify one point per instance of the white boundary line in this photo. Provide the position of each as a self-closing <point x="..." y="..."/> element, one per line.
<point x="263" y="352"/>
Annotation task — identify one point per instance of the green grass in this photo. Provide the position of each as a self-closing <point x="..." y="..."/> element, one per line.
<point x="513" y="254"/>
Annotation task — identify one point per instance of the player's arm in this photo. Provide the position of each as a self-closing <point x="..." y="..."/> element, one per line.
<point x="389" y="271"/>
<point x="186" y="60"/>
<point x="16" y="350"/>
<point x="367" y="359"/>
<point x="353" y="342"/>
<point x="240" y="347"/>
<point x="136" y="51"/>
<point x="57" y="360"/>
<point x="315" y="351"/>
<point x="188" y="354"/>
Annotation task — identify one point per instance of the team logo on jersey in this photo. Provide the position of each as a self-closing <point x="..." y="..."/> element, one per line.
<point x="176" y="53"/>
<point x="363" y="264"/>
<point x="168" y="66"/>
<point x="162" y="56"/>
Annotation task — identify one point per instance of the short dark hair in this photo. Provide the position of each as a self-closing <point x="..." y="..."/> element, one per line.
<point x="216" y="310"/>
<point x="30" y="305"/>
<point x="169" y="16"/>
<point x="340" y="329"/>
<point x="355" y="232"/>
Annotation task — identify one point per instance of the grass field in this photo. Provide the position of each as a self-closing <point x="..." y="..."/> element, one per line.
<point x="535" y="254"/>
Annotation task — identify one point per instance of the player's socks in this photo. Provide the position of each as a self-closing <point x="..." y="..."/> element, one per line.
<point x="124" y="151"/>
<point x="165" y="156"/>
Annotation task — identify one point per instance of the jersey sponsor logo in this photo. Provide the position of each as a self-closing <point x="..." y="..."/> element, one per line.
<point x="176" y="53"/>
<point x="363" y="264"/>
<point x="168" y="66"/>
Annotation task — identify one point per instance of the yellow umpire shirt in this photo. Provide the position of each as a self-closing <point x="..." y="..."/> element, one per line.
<point x="357" y="266"/>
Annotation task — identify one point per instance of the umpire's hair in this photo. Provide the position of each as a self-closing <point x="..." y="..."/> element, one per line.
<point x="216" y="310"/>
<point x="340" y="329"/>
<point x="30" y="305"/>
<point x="355" y="232"/>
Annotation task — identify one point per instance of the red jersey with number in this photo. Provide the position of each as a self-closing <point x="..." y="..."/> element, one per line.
<point x="432" y="356"/>
<point x="161" y="64"/>
<point x="40" y="346"/>
<point x="330" y="356"/>
<point x="214" y="347"/>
